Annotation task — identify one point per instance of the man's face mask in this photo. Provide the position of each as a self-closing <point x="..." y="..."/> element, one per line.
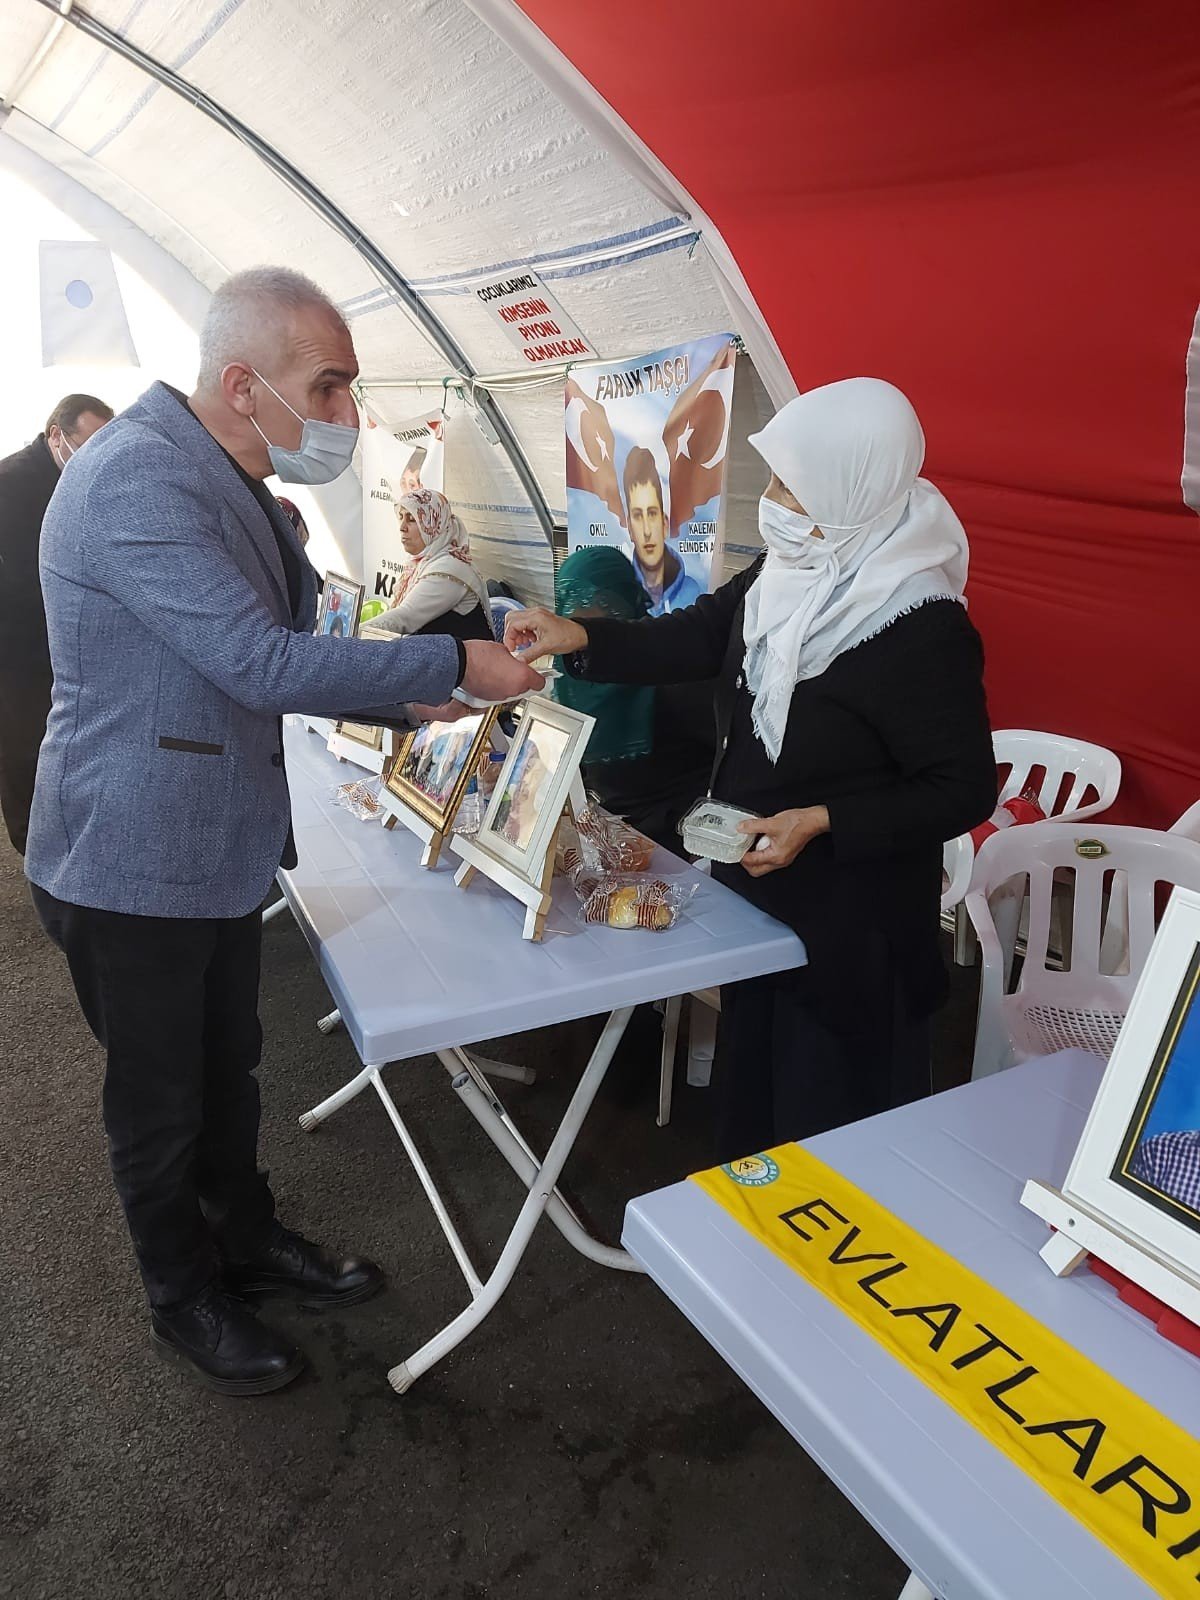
<point x="326" y="448"/>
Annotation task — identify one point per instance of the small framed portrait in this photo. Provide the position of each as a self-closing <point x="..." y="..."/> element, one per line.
<point x="432" y="768"/>
<point x="361" y="733"/>
<point x="534" y="783"/>
<point x="515" y="843"/>
<point x="341" y="602"/>
<point x="1138" y="1163"/>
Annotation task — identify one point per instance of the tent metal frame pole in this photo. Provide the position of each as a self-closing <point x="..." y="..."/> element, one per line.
<point x="438" y="334"/>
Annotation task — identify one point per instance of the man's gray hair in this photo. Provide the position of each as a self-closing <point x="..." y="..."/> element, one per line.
<point x="249" y="318"/>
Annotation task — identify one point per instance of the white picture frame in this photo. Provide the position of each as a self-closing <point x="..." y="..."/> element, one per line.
<point x="1120" y="1200"/>
<point x="519" y="855"/>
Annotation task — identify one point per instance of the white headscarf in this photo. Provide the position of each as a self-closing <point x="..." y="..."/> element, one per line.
<point x="850" y="453"/>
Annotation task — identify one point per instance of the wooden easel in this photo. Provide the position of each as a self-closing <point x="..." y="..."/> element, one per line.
<point x="357" y="754"/>
<point x="533" y="893"/>
<point x="1079" y="1232"/>
<point x="432" y="838"/>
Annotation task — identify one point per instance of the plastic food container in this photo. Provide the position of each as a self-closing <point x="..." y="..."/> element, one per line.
<point x="710" y="829"/>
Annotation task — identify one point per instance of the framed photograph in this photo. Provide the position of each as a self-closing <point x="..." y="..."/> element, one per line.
<point x="515" y="843"/>
<point x="432" y="768"/>
<point x="341" y="602"/>
<point x="535" y="780"/>
<point x="361" y="733"/>
<point x="1137" y="1167"/>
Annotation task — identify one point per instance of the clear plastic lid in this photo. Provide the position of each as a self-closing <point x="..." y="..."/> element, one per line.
<point x="710" y="829"/>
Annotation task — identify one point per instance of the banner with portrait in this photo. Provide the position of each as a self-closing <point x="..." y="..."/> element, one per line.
<point x="647" y="442"/>
<point x="396" y="457"/>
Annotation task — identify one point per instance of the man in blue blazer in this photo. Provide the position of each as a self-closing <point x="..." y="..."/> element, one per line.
<point x="180" y="612"/>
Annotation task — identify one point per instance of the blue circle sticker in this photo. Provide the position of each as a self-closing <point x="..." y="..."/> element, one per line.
<point x="752" y="1172"/>
<point x="79" y="294"/>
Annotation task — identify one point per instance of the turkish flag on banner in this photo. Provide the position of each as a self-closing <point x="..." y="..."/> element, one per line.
<point x="696" y="435"/>
<point x="590" y="450"/>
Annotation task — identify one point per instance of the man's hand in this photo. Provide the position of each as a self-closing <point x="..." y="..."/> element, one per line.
<point x="783" y="836"/>
<point x="540" y="633"/>
<point x="450" y="712"/>
<point x="493" y="674"/>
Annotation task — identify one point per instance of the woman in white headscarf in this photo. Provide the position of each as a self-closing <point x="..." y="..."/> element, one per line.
<point x="852" y="721"/>
<point x="440" y="590"/>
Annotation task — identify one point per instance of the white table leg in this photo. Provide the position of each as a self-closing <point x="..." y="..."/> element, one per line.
<point x="404" y="1375"/>
<point x="505" y="1069"/>
<point x="500" y="1128"/>
<point x="431" y="1189"/>
<point x="330" y="1023"/>
<point x="335" y="1102"/>
<point x="275" y="910"/>
<point x="702" y="1042"/>
<point x="666" y="1074"/>
<point x="914" y="1589"/>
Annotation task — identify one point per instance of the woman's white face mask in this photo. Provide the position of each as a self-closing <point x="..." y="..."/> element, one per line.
<point x="789" y="533"/>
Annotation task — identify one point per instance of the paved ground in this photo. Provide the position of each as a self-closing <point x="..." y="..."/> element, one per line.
<point x="586" y="1442"/>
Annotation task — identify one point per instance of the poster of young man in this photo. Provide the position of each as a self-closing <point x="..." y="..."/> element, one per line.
<point x="647" y="441"/>
<point x="396" y="457"/>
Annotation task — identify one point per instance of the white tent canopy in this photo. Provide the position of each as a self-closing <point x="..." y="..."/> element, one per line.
<point x="401" y="157"/>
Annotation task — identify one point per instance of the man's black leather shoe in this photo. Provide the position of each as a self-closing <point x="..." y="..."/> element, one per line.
<point x="225" y="1343"/>
<point x="292" y="1265"/>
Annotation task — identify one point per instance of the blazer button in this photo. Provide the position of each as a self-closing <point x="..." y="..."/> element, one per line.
<point x="277" y="759"/>
<point x="739" y="682"/>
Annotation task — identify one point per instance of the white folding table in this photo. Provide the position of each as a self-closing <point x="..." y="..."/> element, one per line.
<point x="417" y="966"/>
<point x="968" y="1522"/>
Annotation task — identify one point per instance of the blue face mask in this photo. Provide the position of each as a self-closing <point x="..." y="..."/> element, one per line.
<point x="326" y="448"/>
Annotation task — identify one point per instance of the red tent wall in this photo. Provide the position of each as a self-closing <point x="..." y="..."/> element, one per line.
<point x="995" y="207"/>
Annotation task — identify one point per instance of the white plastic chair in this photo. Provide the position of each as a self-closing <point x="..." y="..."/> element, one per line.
<point x="958" y="857"/>
<point x="1071" y="770"/>
<point x="1081" y="1007"/>
<point x="1114" y="947"/>
<point x="1059" y="758"/>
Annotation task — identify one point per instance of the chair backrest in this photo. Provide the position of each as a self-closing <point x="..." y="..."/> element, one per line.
<point x="501" y="606"/>
<point x="1039" y="850"/>
<point x="1189" y="823"/>
<point x="1069" y="768"/>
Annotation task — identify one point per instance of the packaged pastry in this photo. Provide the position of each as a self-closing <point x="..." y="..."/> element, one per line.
<point x="636" y="901"/>
<point x="608" y="843"/>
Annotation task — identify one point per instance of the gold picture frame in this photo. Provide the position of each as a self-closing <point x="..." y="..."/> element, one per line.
<point x="364" y="733"/>
<point x="426" y="780"/>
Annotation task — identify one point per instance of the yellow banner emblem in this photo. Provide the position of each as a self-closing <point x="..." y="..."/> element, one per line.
<point x="1115" y="1463"/>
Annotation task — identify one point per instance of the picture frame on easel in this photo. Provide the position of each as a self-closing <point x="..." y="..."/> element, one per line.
<point x="364" y="744"/>
<point x="427" y="780"/>
<point x="1132" y="1193"/>
<point x="341" y="602"/>
<point x="514" y="846"/>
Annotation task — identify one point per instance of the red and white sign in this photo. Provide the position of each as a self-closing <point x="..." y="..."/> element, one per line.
<point x="533" y="319"/>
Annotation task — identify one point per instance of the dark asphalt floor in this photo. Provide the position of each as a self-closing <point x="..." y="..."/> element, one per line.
<point x="586" y="1441"/>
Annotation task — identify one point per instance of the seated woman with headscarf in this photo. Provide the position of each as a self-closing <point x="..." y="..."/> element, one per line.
<point x="439" y="590"/>
<point x="651" y="751"/>
<point x="853" y="724"/>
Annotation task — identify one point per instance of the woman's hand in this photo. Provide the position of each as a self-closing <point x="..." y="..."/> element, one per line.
<point x="783" y="836"/>
<point x="540" y="633"/>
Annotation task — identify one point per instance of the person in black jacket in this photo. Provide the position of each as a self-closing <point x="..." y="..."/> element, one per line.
<point x="651" y="751"/>
<point x="852" y="721"/>
<point x="27" y="480"/>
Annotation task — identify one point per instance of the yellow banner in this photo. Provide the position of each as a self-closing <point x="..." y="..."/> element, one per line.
<point x="1115" y="1463"/>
